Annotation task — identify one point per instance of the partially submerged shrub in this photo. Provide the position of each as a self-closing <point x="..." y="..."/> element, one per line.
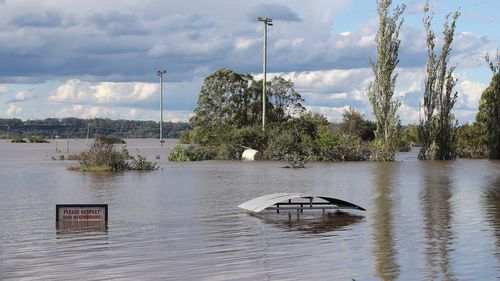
<point x="339" y="147"/>
<point x="37" y="139"/>
<point x="110" y="139"/>
<point x="74" y="157"/>
<point x="378" y="151"/>
<point x="179" y="154"/>
<point x="18" y="139"/>
<point x="182" y="153"/>
<point x="32" y="139"/>
<point x="104" y="157"/>
<point x="292" y="145"/>
<point x="140" y="163"/>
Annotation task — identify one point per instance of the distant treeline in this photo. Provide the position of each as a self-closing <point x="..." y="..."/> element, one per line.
<point x="79" y="128"/>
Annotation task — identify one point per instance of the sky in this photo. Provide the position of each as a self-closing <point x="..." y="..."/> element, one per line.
<point x="94" y="58"/>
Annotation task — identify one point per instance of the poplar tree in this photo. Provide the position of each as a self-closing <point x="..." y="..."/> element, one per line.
<point x="437" y="125"/>
<point x="381" y="90"/>
<point x="489" y="109"/>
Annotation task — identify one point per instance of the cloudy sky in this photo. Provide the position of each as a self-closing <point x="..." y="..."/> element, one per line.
<point x="94" y="58"/>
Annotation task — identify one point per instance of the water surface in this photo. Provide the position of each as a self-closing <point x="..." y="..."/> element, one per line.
<point x="433" y="220"/>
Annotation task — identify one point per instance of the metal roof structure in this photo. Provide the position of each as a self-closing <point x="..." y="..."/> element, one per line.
<point x="283" y="201"/>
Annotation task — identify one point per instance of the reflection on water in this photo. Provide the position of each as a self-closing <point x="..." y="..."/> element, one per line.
<point x="383" y="228"/>
<point x="437" y="216"/>
<point x="78" y="227"/>
<point x="310" y="223"/>
<point x="432" y="220"/>
<point x="492" y="210"/>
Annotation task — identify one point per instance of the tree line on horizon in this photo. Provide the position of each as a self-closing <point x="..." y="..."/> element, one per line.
<point x="71" y="127"/>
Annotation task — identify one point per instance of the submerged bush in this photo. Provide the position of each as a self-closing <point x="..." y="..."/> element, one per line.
<point x="18" y="139"/>
<point x="32" y="139"/>
<point x="104" y="157"/>
<point x="111" y="139"/>
<point x="378" y="151"/>
<point x="182" y="153"/>
<point x="140" y="163"/>
<point x="179" y="154"/>
<point x="339" y="147"/>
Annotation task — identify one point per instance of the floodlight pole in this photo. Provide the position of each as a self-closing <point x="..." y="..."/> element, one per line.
<point x="267" y="22"/>
<point x="161" y="73"/>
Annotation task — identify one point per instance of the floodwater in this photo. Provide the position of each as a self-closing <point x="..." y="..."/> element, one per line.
<point x="434" y="220"/>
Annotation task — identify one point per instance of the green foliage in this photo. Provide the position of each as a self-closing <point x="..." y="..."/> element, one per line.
<point x="438" y="128"/>
<point x="283" y="100"/>
<point x="104" y="157"/>
<point x="179" y="153"/>
<point x="18" y="139"/>
<point x="381" y="91"/>
<point x="338" y="146"/>
<point x="185" y="137"/>
<point x="472" y="141"/>
<point x="489" y="110"/>
<point x="31" y="139"/>
<point x="354" y="124"/>
<point x="110" y="139"/>
<point x="140" y="163"/>
<point x="410" y="135"/>
<point x="230" y="100"/>
<point x="379" y="151"/>
<point x="182" y="153"/>
<point x="227" y="120"/>
<point x="51" y="128"/>
<point x="292" y="145"/>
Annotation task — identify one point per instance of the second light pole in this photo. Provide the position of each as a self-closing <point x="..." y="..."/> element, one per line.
<point x="267" y="22"/>
<point x="161" y="73"/>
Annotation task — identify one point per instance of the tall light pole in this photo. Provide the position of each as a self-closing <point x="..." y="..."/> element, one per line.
<point x="161" y="73"/>
<point x="267" y="22"/>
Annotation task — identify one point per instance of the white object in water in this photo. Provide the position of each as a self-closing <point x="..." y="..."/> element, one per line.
<point x="249" y="154"/>
<point x="283" y="201"/>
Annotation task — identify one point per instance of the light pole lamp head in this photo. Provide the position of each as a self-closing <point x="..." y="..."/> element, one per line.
<point x="267" y="21"/>
<point x="161" y="72"/>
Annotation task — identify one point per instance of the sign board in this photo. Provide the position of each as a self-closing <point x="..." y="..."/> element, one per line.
<point x="81" y="215"/>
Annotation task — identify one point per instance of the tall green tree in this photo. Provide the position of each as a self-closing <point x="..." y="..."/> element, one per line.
<point x="284" y="101"/>
<point x="230" y="100"/>
<point x="381" y="91"/>
<point x="489" y="109"/>
<point x="354" y="124"/>
<point x="438" y="126"/>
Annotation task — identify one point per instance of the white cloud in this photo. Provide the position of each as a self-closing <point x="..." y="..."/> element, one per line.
<point x="243" y="43"/>
<point x="329" y="81"/>
<point x="178" y="116"/>
<point x="469" y="94"/>
<point x="13" y="110"/>
<point x="104" y="93"/>
<point x="333" y="114"/>
<point x="87" y="112"/>
<point x="288" y="43"/>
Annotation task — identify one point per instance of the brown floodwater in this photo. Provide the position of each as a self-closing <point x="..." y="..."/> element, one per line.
<point x="433" y="220"/>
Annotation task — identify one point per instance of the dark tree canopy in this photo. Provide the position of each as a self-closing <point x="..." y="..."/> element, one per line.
<point x="232" y="100"/>
<point x="489" y="110"/>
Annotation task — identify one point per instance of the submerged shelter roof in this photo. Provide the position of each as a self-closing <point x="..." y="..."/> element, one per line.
<point x="283" y="201"/>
